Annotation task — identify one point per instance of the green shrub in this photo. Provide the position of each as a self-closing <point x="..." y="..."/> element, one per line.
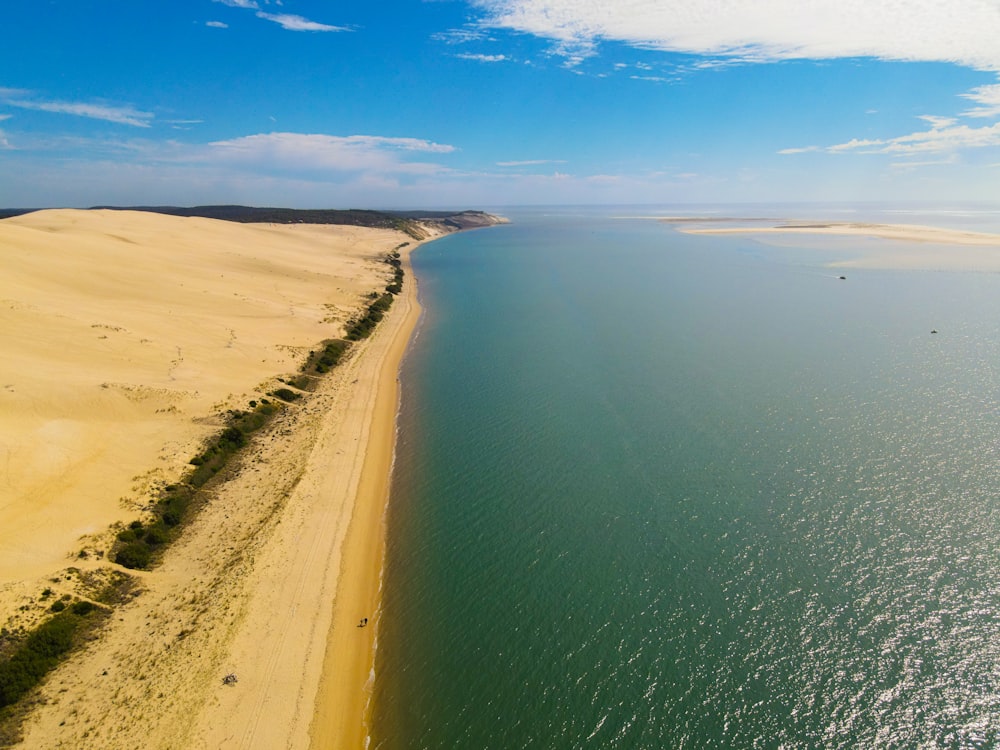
<point x="156" y="535"/>
<point x="285" y="395"/>
<point x="363" y="327"/>
<point x="82" y="608"/>
<point x="135" y="555"/>
<point x="234" y="437"/>
<point x="39" y="653"/>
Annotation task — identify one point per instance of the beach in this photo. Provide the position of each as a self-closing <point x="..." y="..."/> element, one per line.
<point x="131" y="334"/>
<point x="910" y="246"/>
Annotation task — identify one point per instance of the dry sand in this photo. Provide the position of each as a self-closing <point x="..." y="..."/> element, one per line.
<point x="124" y="333"/>
<point x="912" y="246"/>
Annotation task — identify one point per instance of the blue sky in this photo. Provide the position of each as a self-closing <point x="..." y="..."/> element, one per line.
<point x="458" y="103"/>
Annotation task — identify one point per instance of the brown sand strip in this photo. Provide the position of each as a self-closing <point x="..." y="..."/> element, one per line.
<point x="343" y="705"/>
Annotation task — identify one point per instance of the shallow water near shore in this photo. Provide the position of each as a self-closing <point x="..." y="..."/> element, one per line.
<point x="660" y="490"/>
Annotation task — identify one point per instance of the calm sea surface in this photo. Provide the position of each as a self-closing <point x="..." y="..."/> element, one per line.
<point x="656" y="490"/>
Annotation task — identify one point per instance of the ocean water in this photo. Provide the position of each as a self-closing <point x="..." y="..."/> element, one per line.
<point x="656" y="490"/>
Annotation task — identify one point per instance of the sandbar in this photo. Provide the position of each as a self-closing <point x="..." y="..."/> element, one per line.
<point x="908" y="246"/>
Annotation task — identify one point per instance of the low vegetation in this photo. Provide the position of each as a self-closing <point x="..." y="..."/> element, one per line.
<point x="27" y="657"/>
<point x="140" y="545"/>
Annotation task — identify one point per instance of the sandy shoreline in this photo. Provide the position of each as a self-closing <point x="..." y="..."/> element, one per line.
<point x="270" y="580"/>
<point x="910" y="246"/>
<point x="904" y="232"/>
<point x="343" y="707"/>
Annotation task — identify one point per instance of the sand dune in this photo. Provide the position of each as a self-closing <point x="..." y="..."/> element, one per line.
<point x="124" y="334"/>
<point x="121" y="328"/>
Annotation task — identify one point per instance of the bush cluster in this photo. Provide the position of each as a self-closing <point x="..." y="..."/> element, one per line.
<point x="328" y="357"/>
<point x="138" y="544"/>
<point x="363" y="327"/>
<point x="285" y="394"/>
<point x="40" y="652"/>
<point x="396" y="285"/>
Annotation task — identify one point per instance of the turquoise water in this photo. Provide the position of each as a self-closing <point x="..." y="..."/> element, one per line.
<point x="656" y="490"/>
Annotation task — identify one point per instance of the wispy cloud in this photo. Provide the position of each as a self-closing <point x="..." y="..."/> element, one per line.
<point x="298" y="23"/>
<point x="937" y="122"/>
<point x="287" y="21"/>
<point x="5" y="117"/>
<point x="249" y="4"/>
<point x="460" y="36"/>
<point x="944" y="136"/>
<point x="217" y="24"/>
<point x="904" y="165"/>
<point x="801" y="150"/>
<point x="121" y="114"/>
<point x="482" y="58"/>
<point x="988" y="97"/>
<point x="530" y="162"/>
<point x="959" y="31"/>
<point x="183" y="124"/>
<point x="305" y="152"/>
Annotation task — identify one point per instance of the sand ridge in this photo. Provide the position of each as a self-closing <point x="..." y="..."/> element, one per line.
<point x="121" y="329"/>
<point x="252" y="585"/>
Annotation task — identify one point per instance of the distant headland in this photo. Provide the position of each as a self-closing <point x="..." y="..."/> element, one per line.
<point x="413" y="223"/>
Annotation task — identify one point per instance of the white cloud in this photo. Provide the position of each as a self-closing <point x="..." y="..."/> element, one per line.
<point x="460" y="36"/>
<point x="298" y="23"/>
<point x="250" y="4"/>
<point x="217" y="24"/>
<point x="906" y="165"/>
<point x="988" y="97"/>
<point x="5" y="117"/>
<point x="483" y="58"/>
<point x="183" y="124"/>
<point x="938" y="122"/>
<point x="946" y="138"/>
<point x="958" y="31"/>
<point x="317" y="152"/>
<point x="123" y="115"/>
<point x="530" y="162"/>
<point x="803" y="150"/>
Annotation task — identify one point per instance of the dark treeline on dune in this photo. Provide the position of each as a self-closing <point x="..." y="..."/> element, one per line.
<point x="448" y="221"/>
